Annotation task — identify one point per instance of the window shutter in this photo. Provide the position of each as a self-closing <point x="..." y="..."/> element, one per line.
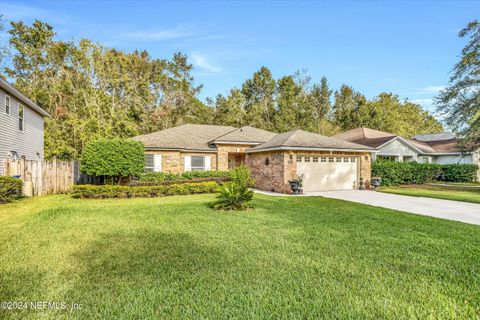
<point x="188" y="163"/>
<point x="208" y="163"/>
<point x="157" y="162"/>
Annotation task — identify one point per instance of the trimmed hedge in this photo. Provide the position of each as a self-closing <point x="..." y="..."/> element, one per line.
<point x="169" y="182"/>
<point x="109" y="191"/>
<point x="10" y="189"/>
<point x="190" y="175"/>
<point x="417" y="173"/>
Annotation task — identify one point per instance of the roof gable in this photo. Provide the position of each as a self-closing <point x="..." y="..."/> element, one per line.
<point x="245" y="134"/>
<point x="22" y="98"/>
<point x="299" y="139"/>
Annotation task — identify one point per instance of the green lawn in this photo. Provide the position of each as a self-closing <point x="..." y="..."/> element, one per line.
<point x="291" y="257"/>
<point x="430" y="191"/>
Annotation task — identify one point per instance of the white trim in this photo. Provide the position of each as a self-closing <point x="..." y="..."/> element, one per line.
<point x="207" y="163"/>
<point x="411" y="146"/>
<point x="188" y="163"/>
<point x="310" y="149"/>
<point x="9" y="104"/>
<point x="157" y="162"/>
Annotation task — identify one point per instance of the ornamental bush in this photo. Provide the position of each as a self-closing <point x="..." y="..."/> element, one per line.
<point x="10" y="189"/>
<point x="236" y="194"/>
<point x="110" y="191"/>
<point x="115" y="159"/>
<point x="393" y="173"/>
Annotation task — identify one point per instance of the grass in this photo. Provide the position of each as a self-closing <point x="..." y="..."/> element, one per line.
<point x="291" y="257"/>
<point x="431" y="191"/>
<point x="468" y="184"/>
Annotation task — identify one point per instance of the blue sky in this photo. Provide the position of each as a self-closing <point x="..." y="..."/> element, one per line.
<point x="407" y="48"/>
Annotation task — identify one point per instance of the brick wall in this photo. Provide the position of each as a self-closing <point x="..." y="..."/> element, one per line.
<point x="282" y="167"/>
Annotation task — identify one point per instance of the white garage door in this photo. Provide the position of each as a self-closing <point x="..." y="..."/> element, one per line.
<point x="327" y="173"/>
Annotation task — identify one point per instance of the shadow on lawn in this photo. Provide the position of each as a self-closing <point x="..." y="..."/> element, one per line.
<point x="143" y="258"/>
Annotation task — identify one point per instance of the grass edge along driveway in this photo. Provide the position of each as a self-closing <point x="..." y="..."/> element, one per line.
<point x="432" y="191"/>
<point x="291" y="257"/>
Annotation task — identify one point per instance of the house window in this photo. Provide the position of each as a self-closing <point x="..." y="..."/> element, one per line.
<point x="388" y="158"/>
<point x="149" y="163"/>
<point x="330" y="159"/>
<point x="198" y="163"/>
<point x="307" y="159"/>
<point x="338" y="159"/>
<point x="7" y="104"/>
<point x="20" y="117"/>
<point x="345" y="159"/>
<point x="352" y="159"/>
<point x="315" y="159"/>
<point x="323" y="159"/>
<point x="299" y="158"/>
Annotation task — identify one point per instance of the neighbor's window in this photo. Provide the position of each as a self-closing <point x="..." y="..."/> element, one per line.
<point x="7" y="104"/>
<point x="149" y="163"/>
<point x="20" y="117"/>
<point x="198" y="163"/>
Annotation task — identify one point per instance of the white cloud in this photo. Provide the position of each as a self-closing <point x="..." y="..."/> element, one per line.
<point x="201" y="61"/>
<point x="13" y="11"/>
<point x="158" y="35"/>
<point x="431" y="89"/>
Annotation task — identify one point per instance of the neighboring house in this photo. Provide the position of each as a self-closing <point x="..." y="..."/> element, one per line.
<point x="21" y="126"/>
<point x="274" y="159"/>
<point x="441" y="148"/>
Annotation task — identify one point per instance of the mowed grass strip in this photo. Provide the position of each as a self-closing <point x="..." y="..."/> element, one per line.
<point x="291" y="257"/>
<point x="440" y="192"/>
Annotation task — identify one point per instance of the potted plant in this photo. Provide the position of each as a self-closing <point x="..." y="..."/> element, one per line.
<point x="376" y="181"/>
<point x="296" y="184"/>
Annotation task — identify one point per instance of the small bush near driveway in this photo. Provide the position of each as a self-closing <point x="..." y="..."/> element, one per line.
<point x="10" y="189"/>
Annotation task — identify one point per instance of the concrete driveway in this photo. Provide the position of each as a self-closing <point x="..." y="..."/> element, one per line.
<point x="445" y="209"/>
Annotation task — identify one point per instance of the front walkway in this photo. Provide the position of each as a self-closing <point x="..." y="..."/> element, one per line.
<point x="438" y="208"/>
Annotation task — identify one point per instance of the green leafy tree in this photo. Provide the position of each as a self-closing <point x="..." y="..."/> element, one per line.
<point x="230" y="110"/>
<point x="460" y="101"/>
<point x="259" y="99"/>
<point x="115" y="159"/>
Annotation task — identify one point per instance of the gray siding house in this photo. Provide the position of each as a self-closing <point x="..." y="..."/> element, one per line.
<point x="21" y="126"/>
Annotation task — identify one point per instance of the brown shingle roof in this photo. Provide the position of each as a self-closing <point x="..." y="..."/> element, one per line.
<point x="366" y="136"/>
<point x="308" y="140"/>
<point x="187" y="136"/>
<point x="246" y="134"/>
<point x="375" y="139"/>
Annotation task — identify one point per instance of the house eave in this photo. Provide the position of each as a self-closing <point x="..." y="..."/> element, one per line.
<point x="150" y="148"/>
<point x="286" y="148"/>
<point x="22" y="98"/>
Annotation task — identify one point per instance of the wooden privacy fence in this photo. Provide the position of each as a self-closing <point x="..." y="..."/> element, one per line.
<point x="45" y="177"/>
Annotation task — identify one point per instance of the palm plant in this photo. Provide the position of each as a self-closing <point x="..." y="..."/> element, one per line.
<point x="236" y="194"/>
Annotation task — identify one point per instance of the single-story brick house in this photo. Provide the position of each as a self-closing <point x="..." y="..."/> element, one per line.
<point x="274" y="159"/>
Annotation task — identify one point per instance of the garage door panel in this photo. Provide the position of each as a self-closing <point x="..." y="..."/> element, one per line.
<point x="335" y="175"/>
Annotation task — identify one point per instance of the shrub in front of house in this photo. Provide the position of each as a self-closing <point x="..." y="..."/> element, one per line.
<point x="190" y="175"/>
<point x="394" y="173"/>
<point x="115" y="159"/>
<point x="235" y="195"/>
<point x="115" y="191"/>
<point x="10" y="189"/>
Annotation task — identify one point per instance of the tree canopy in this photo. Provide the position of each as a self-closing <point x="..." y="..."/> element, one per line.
<point x="93" y="92"/>
<point x="460" y="101"/>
